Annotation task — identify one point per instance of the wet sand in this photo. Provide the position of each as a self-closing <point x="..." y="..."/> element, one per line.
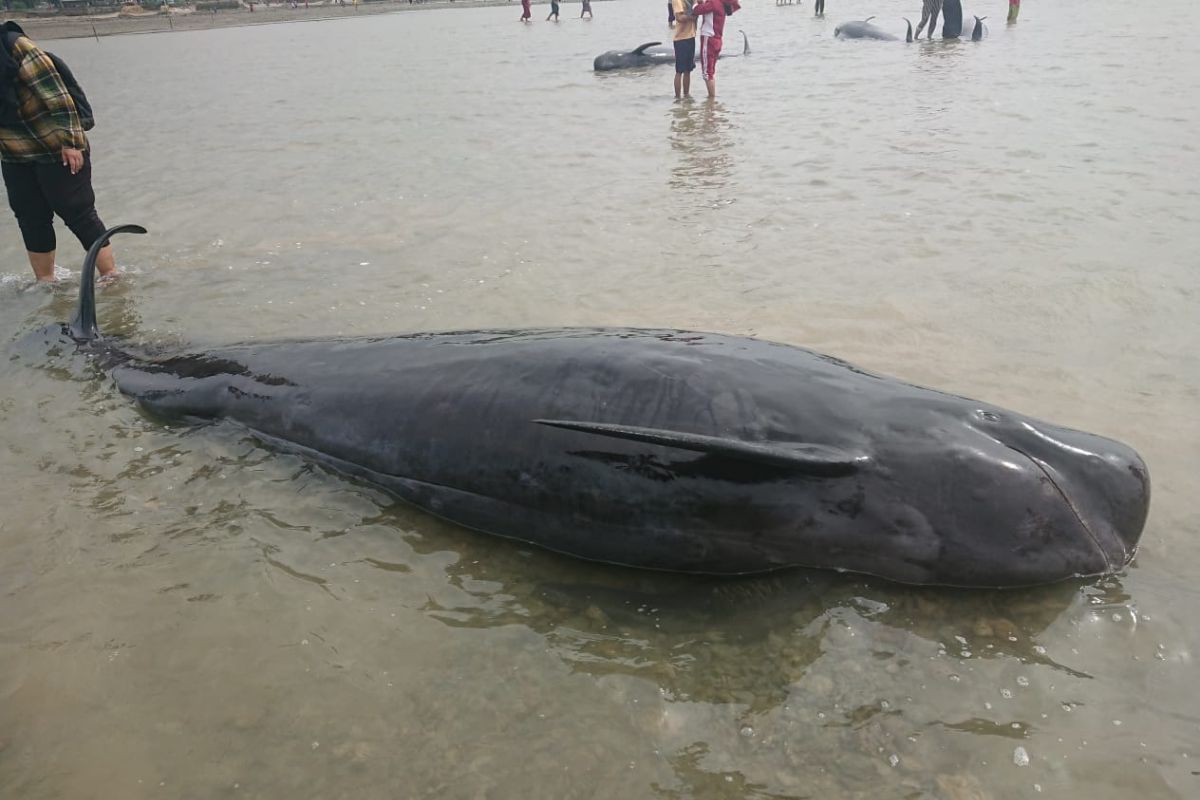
<point x="47" y="28"/>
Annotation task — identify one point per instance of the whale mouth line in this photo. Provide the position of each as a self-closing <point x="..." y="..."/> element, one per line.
<point x="1108" y="563"/>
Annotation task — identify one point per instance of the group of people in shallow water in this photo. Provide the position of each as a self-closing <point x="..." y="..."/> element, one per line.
<point x="707" y="18"/>
<point x="527" y="15"/>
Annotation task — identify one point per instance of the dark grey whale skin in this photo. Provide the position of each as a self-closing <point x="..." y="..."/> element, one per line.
<point x="904" y="483"/>
<point x="651" y="54"/>
<point x="672" y="450"/>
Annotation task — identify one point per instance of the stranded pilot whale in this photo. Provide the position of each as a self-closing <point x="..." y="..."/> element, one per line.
<point x="669" y="450"/>
<point x="648" y="55"/>
<point x="863" y="29"/>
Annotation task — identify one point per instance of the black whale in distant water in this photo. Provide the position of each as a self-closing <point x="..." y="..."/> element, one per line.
<point x="670" y="450"/>
<point x="648" y="55"/>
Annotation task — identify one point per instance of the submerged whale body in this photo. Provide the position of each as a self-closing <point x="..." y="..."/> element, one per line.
<point x="645" y="55"/>
<point x="864" y="29"/>
<point x="671" y="450"/>
<point x="650" y="54"/>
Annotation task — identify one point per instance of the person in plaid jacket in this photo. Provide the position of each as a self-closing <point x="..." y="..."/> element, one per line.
<point x="44" y="155"/>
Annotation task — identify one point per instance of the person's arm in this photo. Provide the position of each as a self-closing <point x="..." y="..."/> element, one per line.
<point x="36" y="70"/>
<point x="704" y="7"/>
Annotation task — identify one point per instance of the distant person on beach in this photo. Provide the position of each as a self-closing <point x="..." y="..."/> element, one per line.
<point x="711" y="15"/>
<point x="44" y="155"/>
<point x="553" y="11"/>
<point x="685" y="47"/>
<point x="1014" y="8"/>
<point x="526" y="16"/>
<point x="587" y="9"/>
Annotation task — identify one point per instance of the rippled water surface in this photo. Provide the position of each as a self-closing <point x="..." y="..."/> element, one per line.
<point x="187" y="613"/>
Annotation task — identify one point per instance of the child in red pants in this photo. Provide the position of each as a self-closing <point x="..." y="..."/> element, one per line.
<point x="712" y="14"/>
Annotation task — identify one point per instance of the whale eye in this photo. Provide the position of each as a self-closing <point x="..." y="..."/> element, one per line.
<point x="987" y="416"/>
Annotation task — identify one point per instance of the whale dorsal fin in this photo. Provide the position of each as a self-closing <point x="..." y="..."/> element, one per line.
<point x="642" y="47"/>
<point x="811" y="459"/>
<point x="868" y="19"/>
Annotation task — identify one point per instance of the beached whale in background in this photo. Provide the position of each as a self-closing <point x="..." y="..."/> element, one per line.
<point x="979" y="30"/>
<point x="650" y="54"/>
<point x="669" y="450"/>
<point x="863" y="29"/>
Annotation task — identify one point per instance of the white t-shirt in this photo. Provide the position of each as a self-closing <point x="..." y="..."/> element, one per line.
<point x="706" y="25"/>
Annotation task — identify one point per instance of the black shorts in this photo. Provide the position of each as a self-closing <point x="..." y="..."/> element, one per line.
<point x="685" y="55"/>
<point x="37" y="191"/>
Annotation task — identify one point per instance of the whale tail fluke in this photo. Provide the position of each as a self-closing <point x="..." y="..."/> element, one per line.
<point x="908" y="37"/>
<point x="745" y="43"/>
<point x="83" y="326"/>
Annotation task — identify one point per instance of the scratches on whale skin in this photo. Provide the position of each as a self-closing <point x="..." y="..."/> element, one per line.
<point x="207" y="366"/>
<point x="243" y="395"/>
<point x="704" y="468"/>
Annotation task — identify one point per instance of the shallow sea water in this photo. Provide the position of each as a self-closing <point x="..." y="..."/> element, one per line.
<point x="189" y="614"/>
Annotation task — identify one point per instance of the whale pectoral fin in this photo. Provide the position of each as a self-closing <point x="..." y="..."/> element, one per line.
<point x="641" y="47"/>
<point x="811" y="459"/>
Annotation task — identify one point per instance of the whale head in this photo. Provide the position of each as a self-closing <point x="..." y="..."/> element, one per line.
<point x="992" y="498"/>
<point x="613" y="59"/>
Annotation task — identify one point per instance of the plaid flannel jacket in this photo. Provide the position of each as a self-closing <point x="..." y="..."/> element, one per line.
<point x="51" y="121"/>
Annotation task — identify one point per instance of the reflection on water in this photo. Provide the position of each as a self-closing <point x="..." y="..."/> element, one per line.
<point x="703" y="145"/>
<point x="842" y="666"/>
<point x="673" y="630"/>
<point x="190" y="613"/>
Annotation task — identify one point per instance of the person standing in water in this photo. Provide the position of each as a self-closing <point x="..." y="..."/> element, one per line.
<point x="685" y="47"/>
<point x="587" y="9"/>
<point x="1014" y="8"/>
<point x="553" y="11"/>
<point x="526" y="16"/>
<point x="47" y="160"/>
<point x="712" y="14"/>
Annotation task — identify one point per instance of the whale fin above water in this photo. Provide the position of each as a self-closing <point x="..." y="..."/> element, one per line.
<point x="641" y="47"/>
<point x="813" y="459"/>
<point x="83" y="326"/>
<point x="745" y="43"/>
<point x="977" y="33"/>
